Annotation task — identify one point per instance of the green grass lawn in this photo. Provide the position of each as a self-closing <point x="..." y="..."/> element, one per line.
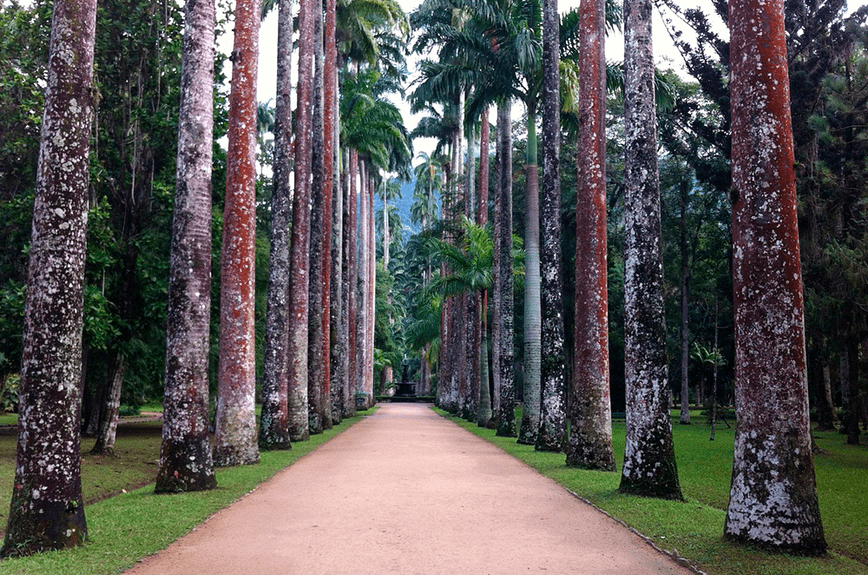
<point x="694" y="528"/>
<point x="124" y="528"/>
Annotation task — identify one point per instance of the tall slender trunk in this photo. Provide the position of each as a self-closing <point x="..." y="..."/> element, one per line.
<point x="299" y="295"/>
<point x="649" y="459"/>
<point x="484" y="410"/>
<point x="186" y="462"/>
<point x="473" y="304"/>
<point x="685" y="310"/>
<point x="47" y="510"/>
<point x="530" y="418"/>
<point x="274" y="422"/>
<point x="108" y="425"/>
<point x="235" y="438"/>
<point x="349" y="284"/>
<point x="590" y="441"/>
<point x="318" y="286"/>
<point x="553" y="426"/>
<point x="773" y="498"/>
<point x="503" y="280"/>
<point x="372" y="293"/>
<point x="362" y="375"/>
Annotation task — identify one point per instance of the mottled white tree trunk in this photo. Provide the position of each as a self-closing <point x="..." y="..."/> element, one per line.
<point x="274" y="423"/>
<point x="185" y="454"/>
<point x="502" y="331"/>
<point x="553" y="424"/>
<point x="47" y="510"/>
<point x="773" y="498"/>
<point x="649" y="458"/>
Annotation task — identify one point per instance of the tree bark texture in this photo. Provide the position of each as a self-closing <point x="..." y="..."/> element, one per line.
<point x="684" y="417"/>
<point x="484" y="410"/>
<point x="186" y="462"/>
<point x="47" y="510"/>
<point x="235" y="438"/>
<point x="773" y="498"/>
<point x="590" y="441"/>
<point x="350" y="279"/>
<point x="472" y="304"/>
<point x="553" y="424"/>
<point x="274" y="422"/>
<point x="503" y="280"/>
<point x="318" y="286"/>
<point x="649" y="459"/>
<point x="530" y="419"/>
<point x="299" y="296"/>
<point x="108" y="425"/>
<point x="337" y="348"/>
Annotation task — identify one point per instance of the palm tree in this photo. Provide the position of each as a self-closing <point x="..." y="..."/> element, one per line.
<point x="274" y="422"/>
<point x="502" y="279"/>
<point x="185" y="454"/>
<point x="299" y="298"/>
<point x="553" y="429"/>
<point x="235" y="439"/>
<point x="649" y="460"/>
<point x="318" y="379"/>
<point x="773" y="499"/>
<point x="47" y="510"/>
<point x="590" y="441"/>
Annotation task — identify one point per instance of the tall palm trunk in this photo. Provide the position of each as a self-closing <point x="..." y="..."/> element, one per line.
<point x="235" y="438"/>
<point x="47" y="510"/>
<point x="649" y="459"/>
<point x="274" y="422"/>
<point x="530" y="418"/>
<point x="502" y="333"/>
<point x="773" y="498"/>
<point x="484" y="410"/>
<point x="473" y="303"/>
<point x="299" y="296"/>
<point x="351" y="278"/>
<point x="186" y="462"/>
<point x="553" y="426"/>
<point x="590" y="441"/>
<point x="684" y="416"/>
<point x="317" y="365"/>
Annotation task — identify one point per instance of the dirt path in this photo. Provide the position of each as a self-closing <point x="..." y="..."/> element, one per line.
<point x="407" y="492"/>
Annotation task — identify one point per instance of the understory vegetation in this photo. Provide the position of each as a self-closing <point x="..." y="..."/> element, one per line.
<point x="693" y="528"/>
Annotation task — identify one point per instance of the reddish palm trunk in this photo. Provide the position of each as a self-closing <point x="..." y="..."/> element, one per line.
<point x="649" y="459"/>
<point x="185" y="452"/>
<point x="773" y="499"/>
<point x="334" y="207"/>
<point x="47" y="510"/>
<point x="590" y="442"/>
<point x="299" y="427"/>
<point x="274" y="424"/>
<point x="235" y="440"/>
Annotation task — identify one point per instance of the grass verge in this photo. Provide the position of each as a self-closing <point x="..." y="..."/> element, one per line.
<point x="132" y="525"/>
<point x="693" y="529"/>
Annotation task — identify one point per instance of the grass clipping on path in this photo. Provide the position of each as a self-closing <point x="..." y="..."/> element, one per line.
<point x="694" y="529"/>
<point x="128" y="527"/>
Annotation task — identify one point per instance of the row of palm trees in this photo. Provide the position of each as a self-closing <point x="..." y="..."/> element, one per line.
<point x="493" y="52"/>
<point x="319" y="333"/>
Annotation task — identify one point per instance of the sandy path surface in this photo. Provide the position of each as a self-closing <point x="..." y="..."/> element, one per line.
<point x="408" y="492"/>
